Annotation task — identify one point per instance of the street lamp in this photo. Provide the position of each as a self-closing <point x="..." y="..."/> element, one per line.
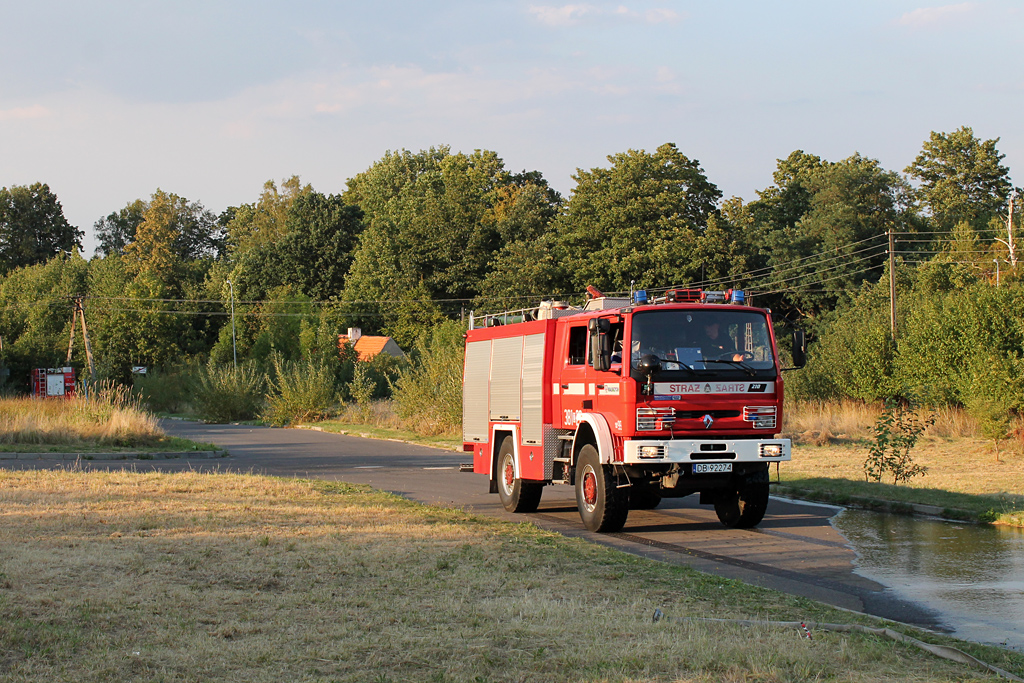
<point x="234" y="348"/>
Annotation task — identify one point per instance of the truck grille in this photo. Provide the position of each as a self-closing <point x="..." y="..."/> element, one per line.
<point x="654" y="419"/>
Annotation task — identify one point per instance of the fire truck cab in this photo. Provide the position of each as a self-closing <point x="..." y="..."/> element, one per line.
<point x="629" y="400"/>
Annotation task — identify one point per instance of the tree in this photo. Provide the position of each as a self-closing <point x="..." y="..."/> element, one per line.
<point x="961" y="178"/>
<point x="172" y="231"/>
<point x="636" y="220"/>
<point x="820" y="230"/>
<point x="33" y="227"/>
<point x="117" y="229"/>
<point x="434" y="220"/>
<point x="312" y="255"/>
<point x="265" y="222"/>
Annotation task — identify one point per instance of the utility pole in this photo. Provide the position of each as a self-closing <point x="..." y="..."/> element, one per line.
<point x="1008" y="242"/>
<point x="892" y="284"/>
<point x="1009" y="232"/>
<point x="234" y="348"/>
<point x="78" y="310"/>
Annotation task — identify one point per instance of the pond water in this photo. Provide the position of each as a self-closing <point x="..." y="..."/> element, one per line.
<point x="972" y="575"/>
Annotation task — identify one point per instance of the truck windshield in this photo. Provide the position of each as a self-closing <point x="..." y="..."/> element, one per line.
<point x="702" y="339"/>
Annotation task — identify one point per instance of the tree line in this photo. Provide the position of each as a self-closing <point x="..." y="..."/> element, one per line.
<point x="420" y="238"/>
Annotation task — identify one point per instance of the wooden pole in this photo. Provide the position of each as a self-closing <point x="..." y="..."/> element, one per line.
<point x="88" y="346"/>
<point x="74" y="322"/>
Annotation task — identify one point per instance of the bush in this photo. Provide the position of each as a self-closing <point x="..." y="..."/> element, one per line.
<point x="222" y="393"/>
<point x="428" y="393"/>
<point x="300" y="391"/>
<point x="164" y="391"/>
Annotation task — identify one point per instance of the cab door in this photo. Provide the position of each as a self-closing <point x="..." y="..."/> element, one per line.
<point x="572" y="376"/>
<point x="608" y="385"/>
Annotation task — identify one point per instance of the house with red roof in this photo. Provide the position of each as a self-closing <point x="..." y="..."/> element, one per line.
<point x="369" y="346"/>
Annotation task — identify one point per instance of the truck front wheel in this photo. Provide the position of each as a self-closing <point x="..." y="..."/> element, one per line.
<point x="602" y="504"/>
<point x="515" y="494"/>
<point x="742" y="506"/>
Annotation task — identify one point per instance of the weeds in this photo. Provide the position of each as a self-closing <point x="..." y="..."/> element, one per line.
<point x="111" y="416"/>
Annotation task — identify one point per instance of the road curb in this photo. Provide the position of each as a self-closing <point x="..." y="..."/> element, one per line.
<point x="139" y="455"/>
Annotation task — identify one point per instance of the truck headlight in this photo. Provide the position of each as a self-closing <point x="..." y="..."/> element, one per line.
<point x="650" y="452"/>
<point x="771" y="450"/>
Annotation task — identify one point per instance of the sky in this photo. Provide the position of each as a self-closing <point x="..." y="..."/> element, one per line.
<point x="108" y="100"/>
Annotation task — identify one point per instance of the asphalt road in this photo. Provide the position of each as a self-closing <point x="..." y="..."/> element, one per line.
<point x="795" y="549"/>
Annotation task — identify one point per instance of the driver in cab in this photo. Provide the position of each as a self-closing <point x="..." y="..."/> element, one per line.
<point x="718" y="345"/>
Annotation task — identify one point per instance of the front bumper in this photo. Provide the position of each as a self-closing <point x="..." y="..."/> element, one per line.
<point x="652" y="452"/>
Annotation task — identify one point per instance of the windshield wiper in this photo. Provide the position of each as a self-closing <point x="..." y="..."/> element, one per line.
<point x="735" y="363"/>
<point x="661" y="365"/>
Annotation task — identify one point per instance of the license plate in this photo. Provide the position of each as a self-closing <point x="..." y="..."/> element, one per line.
<point x="709" y="467"/>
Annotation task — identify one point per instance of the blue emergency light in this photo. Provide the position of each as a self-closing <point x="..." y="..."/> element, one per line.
<point x="640" y="296"/>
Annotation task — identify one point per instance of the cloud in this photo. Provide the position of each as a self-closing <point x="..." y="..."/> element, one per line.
<point x="571" y="15"/>
<point x="925" y="17"/>
<point x="566" y="15"/>
<point x="36" y="111"/>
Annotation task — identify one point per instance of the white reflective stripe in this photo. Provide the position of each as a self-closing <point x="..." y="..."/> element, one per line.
<point x="591" y="390"/>
<point x="679" y="450"/>
<point x="685" y="388"/>
<point x="574" y="389"/>
<point x="609" y="390"/>
<point x="554" y="389"/>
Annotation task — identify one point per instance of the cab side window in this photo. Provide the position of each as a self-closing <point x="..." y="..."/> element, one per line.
<point x="577" y="345"/>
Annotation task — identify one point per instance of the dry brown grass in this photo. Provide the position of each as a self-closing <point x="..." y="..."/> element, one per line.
<point x="110" y="416"/>
<point x="121" y="576"/>
<point x="961" y="465"/>
<point x="838" y="422"/>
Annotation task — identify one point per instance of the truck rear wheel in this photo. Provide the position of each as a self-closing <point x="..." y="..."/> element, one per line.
<point x="515" y="494"/>
<point x="743" y="506"/>
<point x="603" y="505"/>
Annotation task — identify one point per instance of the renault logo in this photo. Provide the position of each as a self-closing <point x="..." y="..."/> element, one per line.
<point x="708" y="421"/>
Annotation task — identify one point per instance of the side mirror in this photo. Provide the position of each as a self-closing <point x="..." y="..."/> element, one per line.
<point x="799" y="349"/>
<point x="600" y="344"/>
<point x="649" y="364"/>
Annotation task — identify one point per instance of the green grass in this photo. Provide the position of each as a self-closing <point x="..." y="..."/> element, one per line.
<point x="964" y="478"/>
<point x="124" y="576"/>
<point x="446" y="441"/>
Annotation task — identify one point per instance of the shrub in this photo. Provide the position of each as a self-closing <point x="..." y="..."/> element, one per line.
<point x="428" y="393"/>
<point x="299" y="391"/>
<point x="223" y="393"/>
<point x="164" y="391"/>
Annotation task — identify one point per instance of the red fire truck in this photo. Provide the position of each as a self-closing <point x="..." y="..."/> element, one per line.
<point x="630" y="400"/>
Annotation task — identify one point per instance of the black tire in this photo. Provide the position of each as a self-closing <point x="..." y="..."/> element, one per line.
<point x="644" y="497"/>
<point x="743" y="506"/>
<point x="516" y="495"/>
<point x="602" y="504"/>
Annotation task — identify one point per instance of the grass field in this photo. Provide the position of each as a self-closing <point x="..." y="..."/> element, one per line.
<point x="126" y="576"/>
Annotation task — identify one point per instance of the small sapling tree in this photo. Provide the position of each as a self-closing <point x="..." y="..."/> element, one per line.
<point x="897" y="431"/>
